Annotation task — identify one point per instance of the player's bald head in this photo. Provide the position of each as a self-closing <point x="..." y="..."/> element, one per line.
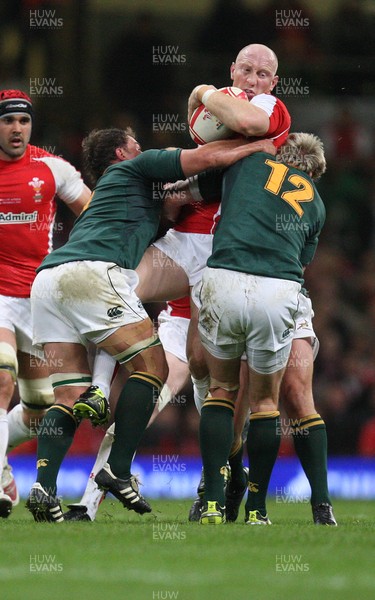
<point x="260" y="53"/>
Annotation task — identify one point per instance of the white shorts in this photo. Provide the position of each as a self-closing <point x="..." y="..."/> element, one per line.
<point x="173" y="334"/>
<point x="83" y="301"/>
<point x="303" y="323"/>
<point x="303" y="327"/>
<point x="15" y="315"/>
<point x="189" y="250"/>
<point x="241" y="312"/>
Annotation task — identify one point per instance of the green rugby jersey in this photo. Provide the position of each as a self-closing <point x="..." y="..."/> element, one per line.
<point x="271" y="217"/>
<point x="122" y="217"/>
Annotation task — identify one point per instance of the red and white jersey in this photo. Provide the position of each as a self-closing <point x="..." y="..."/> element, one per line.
<point x="27" y="211"/>
<point x="203" y="218"/>
<point x="179" y="308"/>
<point x="197" y="218"/>
<point x="279" y="117"/>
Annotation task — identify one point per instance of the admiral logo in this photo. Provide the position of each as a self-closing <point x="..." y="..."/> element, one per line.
<point x="23" y="217"/>
<point x="285" y="333"/>
<point x="114" y="312"/>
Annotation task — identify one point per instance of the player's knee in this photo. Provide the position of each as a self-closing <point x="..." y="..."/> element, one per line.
<point x="197" y="363"/>
<point x="8" y="361"/>
<point x="36" y="394"/>
<point x="296" y="396"/>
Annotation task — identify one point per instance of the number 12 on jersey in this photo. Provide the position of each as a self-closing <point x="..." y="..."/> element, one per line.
<point x="304" y="191"/>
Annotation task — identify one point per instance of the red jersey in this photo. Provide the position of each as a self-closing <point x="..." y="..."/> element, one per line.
<point x="27" y="211"/>
<point x="180" y="307"/>
<point x="203" y="218"/>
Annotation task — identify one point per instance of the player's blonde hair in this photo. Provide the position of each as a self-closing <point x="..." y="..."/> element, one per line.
<point x="304" y="151"/>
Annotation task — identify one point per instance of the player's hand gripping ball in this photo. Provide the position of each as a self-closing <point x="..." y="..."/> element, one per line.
<point x="204" y="127"/>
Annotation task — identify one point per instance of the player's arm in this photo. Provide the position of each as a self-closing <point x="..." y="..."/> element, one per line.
<point x="70" y="187"/>
<point x="224" y="153"/>
<point x="177" y="195"/>
<point x="308" y="252"/>
<point x="77" y="205"/>
<point x="240" y="116"/>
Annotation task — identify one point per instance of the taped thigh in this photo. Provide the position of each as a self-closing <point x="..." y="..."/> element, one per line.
<point x="137" y="348"/>
<point x="8" y="359"/>
<point x="36" y="394"/>
<point x="224" y="385"/>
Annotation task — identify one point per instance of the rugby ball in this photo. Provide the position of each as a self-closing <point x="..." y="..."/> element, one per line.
<point x="204" y="127"/>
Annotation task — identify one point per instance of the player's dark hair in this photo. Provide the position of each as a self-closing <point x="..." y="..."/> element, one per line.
<point x="99" y="150"/>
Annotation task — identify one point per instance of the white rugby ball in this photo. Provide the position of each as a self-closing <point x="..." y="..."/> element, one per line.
<point x="204" y="127"/>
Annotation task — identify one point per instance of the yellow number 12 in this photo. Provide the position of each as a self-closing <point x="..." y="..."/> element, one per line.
<point x="303" y="193"/>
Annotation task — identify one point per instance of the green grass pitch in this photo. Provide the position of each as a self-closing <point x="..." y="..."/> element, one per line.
<point x="162" y="556"/>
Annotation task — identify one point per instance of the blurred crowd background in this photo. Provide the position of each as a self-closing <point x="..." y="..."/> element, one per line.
<point x="103" y="63"/>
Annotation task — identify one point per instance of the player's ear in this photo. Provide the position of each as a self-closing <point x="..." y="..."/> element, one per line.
<point x="120" y="153"/>
<point x="232" y="68"/>
<point x="274" y="82"/>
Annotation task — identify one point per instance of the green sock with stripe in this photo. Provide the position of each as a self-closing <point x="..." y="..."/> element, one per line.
<point x="55" y="436"/>
<point x="216" y="437"/>
<point x="310" y="443"/>
<point x="237" y="474"/>
<point x="133" y="411"/>
<point x="263" y="443"/>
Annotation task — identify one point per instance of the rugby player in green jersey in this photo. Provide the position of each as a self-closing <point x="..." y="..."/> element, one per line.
<point x="254" y="71"/>
<point x="84" y="292"/>
<point x="249" y="298"/>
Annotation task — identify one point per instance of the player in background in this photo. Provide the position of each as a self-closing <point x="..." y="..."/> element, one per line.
<point x="254" y="71"/>
<point x="30" y="178"/>
<point x="243" y="307"/>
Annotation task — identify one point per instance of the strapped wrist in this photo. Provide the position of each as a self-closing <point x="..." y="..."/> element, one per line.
<point x="206" y="96"/>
